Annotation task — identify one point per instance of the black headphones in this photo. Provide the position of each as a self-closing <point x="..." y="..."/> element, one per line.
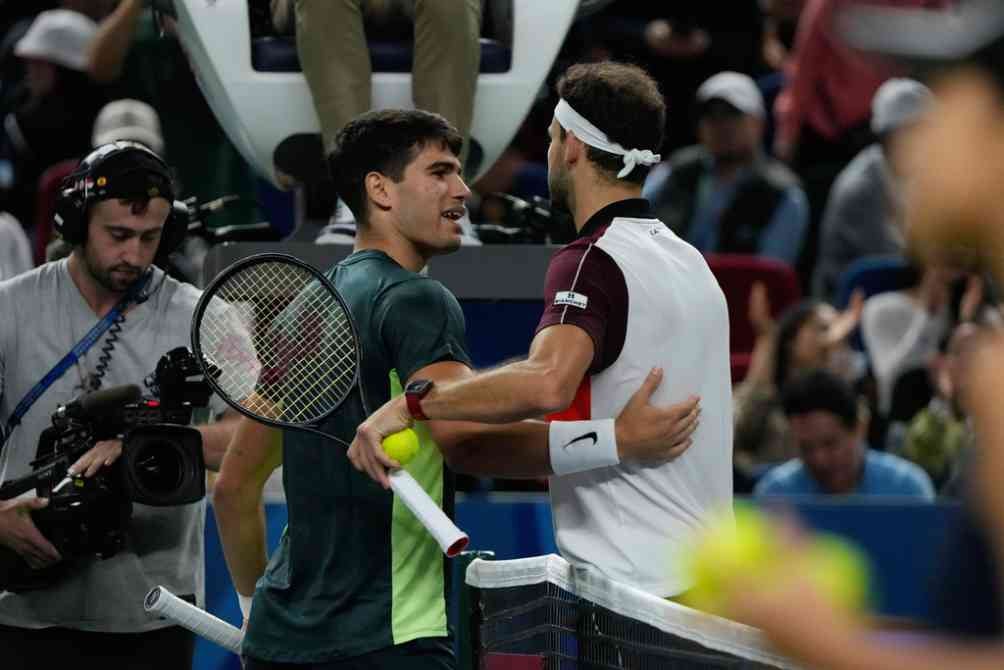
<point x="98" y="177"/>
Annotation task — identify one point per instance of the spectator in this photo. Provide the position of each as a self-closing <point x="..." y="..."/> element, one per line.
<point x="127" y="119"/>
<point x="52" y="116"/>
<point x="680" y="43"/>
<point x="823" y="112"/>
<point x="332" y="45"/>
<point x="937" y="437"/>
<point x="902" y="329"/>
<point x="863" y="214"/>
<point x="725" y="195"/>
<point x="130" y="55"/>
<point x="829" y="423"/>
<point x="15" y="250"/>
<point x="807" y="336"/>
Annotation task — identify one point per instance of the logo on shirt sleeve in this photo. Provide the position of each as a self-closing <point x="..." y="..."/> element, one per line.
<point x="571" y="298"/>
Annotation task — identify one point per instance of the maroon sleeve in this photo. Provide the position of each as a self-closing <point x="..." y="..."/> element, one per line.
<point x="585" y="287"/>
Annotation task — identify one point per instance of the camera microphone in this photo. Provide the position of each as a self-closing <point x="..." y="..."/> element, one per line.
<point x="98" y="403"/>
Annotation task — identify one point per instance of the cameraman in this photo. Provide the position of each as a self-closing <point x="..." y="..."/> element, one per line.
<point x="116" y="211"/>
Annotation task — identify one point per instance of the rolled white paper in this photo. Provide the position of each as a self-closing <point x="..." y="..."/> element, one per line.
<point x="164" y="603"/>
<point x="451" y="539"/>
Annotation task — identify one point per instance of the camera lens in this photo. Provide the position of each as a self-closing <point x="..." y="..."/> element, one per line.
<point x="158" y="467"/>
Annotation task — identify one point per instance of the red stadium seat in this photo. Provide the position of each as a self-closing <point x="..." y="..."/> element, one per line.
<point x="45" y="204"/>
<point x="736" y="274"/>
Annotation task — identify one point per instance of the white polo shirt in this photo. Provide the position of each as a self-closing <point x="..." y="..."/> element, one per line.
<point x="646" y="298"/>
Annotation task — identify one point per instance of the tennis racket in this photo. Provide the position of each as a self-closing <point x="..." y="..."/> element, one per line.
<point x="162" y="602"/>
<point x="277" y="342"/>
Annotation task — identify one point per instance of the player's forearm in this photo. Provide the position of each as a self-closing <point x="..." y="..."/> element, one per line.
<point x="926" y="655"/>
<point x="518" y="391"/>
<point x="111" y="44"/>
<point x="215" y="438"/>
<point x="517" y="450"/>
<point x="240" y="518"/>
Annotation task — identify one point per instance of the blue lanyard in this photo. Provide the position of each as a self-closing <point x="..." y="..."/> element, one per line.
<point x="70" y="359"/>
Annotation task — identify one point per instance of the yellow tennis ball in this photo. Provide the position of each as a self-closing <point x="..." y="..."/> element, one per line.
<point x="747" y="548"/>
<point x="840" y="571"/>
<point x="401" y="446"/>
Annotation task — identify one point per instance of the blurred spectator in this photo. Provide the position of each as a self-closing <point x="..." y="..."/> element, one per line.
<point x="15" y="250"/>
<point x="863" y="214"/>
<point x="681" y="44"/>
<point x="938" y="435"/>
<point x="779" y="26"/>
<point x="822" y="114"/>
<point x="128" y="120"/>
<point x="807" y="336"/>
<point x="725" y="195"/>
<point x="51" y="117"/>
<point x="901" y="329"/>
<point x="15" y="17"/>
<point x="130" y="55"/>
<point x="828" y="423"/>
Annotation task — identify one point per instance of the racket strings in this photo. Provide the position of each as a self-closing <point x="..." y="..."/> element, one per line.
<point x="283" y="342"/>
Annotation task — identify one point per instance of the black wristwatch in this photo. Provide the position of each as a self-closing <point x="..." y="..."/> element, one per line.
<point x="413" y="394"/>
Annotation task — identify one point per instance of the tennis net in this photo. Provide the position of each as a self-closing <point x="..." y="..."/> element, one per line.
<point x="542" y="613"/>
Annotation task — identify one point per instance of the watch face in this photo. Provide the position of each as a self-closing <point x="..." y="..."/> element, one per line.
<point x="418" y="387"/>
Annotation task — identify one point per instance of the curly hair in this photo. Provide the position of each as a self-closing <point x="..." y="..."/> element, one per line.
<point x="624" y="102"/>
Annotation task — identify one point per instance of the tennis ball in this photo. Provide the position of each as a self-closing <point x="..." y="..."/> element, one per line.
<point x="401" y="446"/>
<point x="840" y="571"/>
<point x="747" y="548"/>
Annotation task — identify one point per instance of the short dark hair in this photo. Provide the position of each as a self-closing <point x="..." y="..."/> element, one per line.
<point x="820" y="391"/>
<point x="624" y="102"/>
<point x="384" y="141"/>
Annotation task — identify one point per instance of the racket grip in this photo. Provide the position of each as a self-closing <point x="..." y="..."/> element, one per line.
<point x="451" y="539"/>
<point x="164" y="603"/>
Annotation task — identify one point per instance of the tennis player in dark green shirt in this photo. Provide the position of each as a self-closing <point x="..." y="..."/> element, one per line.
<point x="356" y="581"/>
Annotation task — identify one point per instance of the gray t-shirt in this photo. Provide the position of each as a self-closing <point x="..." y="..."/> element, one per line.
<point x="43" y="316"/>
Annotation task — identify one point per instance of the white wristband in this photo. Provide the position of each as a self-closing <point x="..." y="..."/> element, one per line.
<point x="245" y="603"/>
<point x="576" y="446"/>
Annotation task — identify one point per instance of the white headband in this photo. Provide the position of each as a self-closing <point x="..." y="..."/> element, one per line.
<point x="594" y="137"/>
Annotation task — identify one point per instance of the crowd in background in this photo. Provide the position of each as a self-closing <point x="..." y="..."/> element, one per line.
<point x="785" y="147"/>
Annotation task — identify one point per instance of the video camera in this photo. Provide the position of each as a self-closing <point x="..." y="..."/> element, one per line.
<point x="161" y="465"/>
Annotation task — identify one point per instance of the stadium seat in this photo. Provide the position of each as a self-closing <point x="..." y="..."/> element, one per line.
<point x="736" y="274"/>
<point x="245" y="79"/>
<point x="45" y="204"/>
<point x="873" y="274"/>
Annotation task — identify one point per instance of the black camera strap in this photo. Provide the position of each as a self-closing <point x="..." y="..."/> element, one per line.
<point x="71" y="358"/>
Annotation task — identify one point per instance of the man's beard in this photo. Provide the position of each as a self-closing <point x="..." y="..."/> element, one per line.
<point x="109" y="281"/>
<point x="558" y="192"/>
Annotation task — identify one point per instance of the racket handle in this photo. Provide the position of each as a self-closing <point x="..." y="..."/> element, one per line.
<point x="161" y="601"/>
<point x="451" y="539"/>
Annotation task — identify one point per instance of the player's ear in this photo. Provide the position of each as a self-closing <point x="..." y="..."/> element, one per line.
<point x="573" y="148"/>
<point x="378" y="190"/>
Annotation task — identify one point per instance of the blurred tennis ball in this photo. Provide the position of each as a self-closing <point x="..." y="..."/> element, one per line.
<point x="752" y="553"/>
<point x="747" y="548"/>
<point x="839" y="570"/>
<point x="401" y="446"/>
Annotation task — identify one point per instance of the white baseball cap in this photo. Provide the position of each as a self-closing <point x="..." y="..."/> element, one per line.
<point x="897" y="102"/>
<point x="128" y="119"/>
<point x="735" y="88"/>
<point x="60" y="36"/>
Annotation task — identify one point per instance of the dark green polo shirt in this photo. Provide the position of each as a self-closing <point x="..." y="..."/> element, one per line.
<point x="355" y="571"/>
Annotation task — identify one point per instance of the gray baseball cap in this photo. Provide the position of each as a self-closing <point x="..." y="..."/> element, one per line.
<point x="737" y="89"/>
<point x="899" y="102"/>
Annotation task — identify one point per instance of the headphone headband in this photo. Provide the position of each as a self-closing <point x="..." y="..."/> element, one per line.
<point x="122" y="169"/>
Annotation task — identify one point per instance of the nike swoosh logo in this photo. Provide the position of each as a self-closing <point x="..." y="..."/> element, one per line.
<point x="588" y="436"/>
